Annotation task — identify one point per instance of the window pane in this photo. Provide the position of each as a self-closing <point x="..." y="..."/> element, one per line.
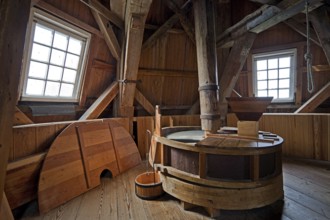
<point x="57" y="57"/>
<point x="284" y="73"/>
<point x="261" y="64"/>
<point x="43" y="35"/>
<point x="38" y="70"/>
<point x="284" y="93"/>
<point x="284" y="83"/>
<point x="272" y="84"/>
<point x="272" y="93"/>
<point x="262" y="93"/>
<point x="55" y="73"/>
<point x="272" y="74"/>
<point x="60" y="41"/>
<point x="66" y="90"/>
<point x="35" y="87"/>
<point x="72" y="61"/>
<point x="75" y="46"/>
<point x="40" y="53"/>
<point x="262" y="85"/>
<point x="272" y="63"/>
<point x="52" y="88"/>
<point x="285" y="62"/>
<point x="262" y="75"/>
<point x="69" y="75"/>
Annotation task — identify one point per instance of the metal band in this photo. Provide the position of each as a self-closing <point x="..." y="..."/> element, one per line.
<point x="210" y="117"/>
<point x="209" y="87"/>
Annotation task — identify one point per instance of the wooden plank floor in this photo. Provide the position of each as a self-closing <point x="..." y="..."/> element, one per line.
<point x="306" y="187"/>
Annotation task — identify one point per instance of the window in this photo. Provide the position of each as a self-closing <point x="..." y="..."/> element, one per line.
<point x="55" y="60"/>
<point x="274" y="75"/>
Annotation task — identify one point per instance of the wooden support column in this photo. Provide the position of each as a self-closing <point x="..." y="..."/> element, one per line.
<point x="234" y="65"/>
<point x="321" y="23"/>
<point x="14" y="15"/>
<point x="136" y="13"/>
<point x="207" y="64"/>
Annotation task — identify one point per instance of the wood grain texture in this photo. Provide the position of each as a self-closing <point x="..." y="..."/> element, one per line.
<point x="115" y="199"/>
<point x="305" y="135"/>
<point x="79" y="155"/>
<point x="12" y="38"/>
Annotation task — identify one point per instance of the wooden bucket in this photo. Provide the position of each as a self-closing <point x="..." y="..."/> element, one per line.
<point x="148" y="186"/>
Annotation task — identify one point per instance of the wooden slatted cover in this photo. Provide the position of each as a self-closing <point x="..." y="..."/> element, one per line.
<point x="77" y="158"/>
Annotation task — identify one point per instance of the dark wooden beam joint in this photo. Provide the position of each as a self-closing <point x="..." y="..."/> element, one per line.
<point x="185" y="22"/>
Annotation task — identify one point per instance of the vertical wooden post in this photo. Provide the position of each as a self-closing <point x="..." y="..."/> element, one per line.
<point x="207" y="64"/>
<point x="14" y="15"/>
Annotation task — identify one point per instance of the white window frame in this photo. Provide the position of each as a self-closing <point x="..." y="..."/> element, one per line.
<point x="48" y="20"/>
<point x="276" y="54"/>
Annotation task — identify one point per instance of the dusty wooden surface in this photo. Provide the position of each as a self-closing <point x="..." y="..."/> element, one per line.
<point x="306" y="188"/>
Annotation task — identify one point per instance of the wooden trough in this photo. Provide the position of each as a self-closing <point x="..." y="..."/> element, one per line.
<point x="148" y="186"/>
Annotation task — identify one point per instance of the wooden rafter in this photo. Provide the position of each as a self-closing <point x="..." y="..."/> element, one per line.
<point x="144" y="102"/>
<point x="284" y="14"/>
<point x="321" y="23"/>
<point x="234" y="64"/>
<point x="106" y="13"/>
<point x="55" y="11"/>
<point x="101" y="103"/>
<point x="136" y="13"/>
<point x="109" y="35"/>
<point x="185" y="22"/>
<point x="316" y="100"/>
<point x="301" y="29"/>
<point x="166" y="26"/>
<point x="264" y="18"/>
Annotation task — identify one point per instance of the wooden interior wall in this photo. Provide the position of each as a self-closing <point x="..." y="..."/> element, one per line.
<point x="305" y="135"/>
<point x="30" y="143"/>
<point x="168" y="71"/>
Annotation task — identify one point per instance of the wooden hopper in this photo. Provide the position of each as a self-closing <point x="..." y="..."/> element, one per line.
<point x="249" y="108"/>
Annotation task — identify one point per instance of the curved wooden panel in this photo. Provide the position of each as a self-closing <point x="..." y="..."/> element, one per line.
<point x="78" y="156"/>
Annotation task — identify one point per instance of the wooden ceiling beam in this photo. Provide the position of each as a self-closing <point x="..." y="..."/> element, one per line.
<point x="233" y="68"/>
<point x="321" y="23"/>
<point x="284" y="14"/>
<point x="316" y="100"/>
<point x="166" y="26"/>
<point x="301" y="29"/>
<point x="106" y="13"/>
<point x="144" y="102"/>
<point x="109" y="35"/>
<point x="264" y="18"/>
<point x="234" y="64"/>
<point x="95" y="110"/>
<point x="67" y="17"/>
<point x="185" y="22"/>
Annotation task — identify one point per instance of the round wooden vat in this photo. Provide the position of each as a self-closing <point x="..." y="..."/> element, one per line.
<point x="148" y="186"/>
<point x="222" y="171"/>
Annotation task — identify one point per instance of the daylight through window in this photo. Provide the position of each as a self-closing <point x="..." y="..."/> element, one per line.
<point x="55" y="60"/>
<point x="274" y="75"/>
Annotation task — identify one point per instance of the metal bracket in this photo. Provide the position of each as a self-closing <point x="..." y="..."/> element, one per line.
<point x="129" y="81"/>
